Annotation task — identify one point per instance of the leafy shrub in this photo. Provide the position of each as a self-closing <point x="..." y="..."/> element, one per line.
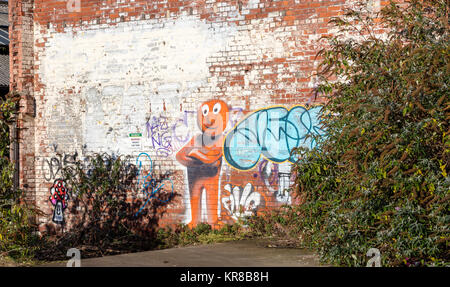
<point x="202" y="228"/>
<point x="7" y="109"/>
<point x="380" y="178"/>
<point x="201" y="234"/>
<point x="16" y="237"/>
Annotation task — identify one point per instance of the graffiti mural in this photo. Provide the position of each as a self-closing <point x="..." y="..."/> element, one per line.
<point x="266" y="136"/>
<point x="59" y="195"/>
<point x="272" y="133"/>
<point x="255" y="176"/>
<point x="202" y="156"/>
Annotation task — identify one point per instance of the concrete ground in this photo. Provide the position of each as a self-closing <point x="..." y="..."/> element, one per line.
<point x="227" y="254"/>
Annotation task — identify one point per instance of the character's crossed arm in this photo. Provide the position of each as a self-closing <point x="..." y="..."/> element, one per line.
<point x="193" y="155"/>
<point x="207" y="156"/>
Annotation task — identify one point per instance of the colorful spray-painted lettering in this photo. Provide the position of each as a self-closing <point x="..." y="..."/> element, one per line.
<point x="273" y="133"/>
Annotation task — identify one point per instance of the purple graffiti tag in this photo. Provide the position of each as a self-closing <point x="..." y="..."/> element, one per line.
<point x="159" y="133"/>
<point x="183" y="124"/>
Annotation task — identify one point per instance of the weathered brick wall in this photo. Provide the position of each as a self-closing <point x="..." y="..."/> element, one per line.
<point x="113" y="70"/>
<point x="22" y="81"/>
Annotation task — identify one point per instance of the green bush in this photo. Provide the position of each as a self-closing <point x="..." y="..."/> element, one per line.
<point x="7" y="108"/>
<point x="16" y="216"/>
<point x="201" y="234"/>
<point x="380" y="177"/>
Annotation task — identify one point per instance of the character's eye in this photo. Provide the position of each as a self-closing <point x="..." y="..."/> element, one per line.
<point x="205" y="110"/>
<point x="216" y="108"/>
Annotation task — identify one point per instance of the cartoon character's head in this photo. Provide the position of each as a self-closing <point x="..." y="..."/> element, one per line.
<point x="212" y="117"/>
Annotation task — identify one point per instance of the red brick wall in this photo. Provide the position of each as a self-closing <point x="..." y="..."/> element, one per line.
<point x="22" y="81"/>
<point x="114" y="68"/>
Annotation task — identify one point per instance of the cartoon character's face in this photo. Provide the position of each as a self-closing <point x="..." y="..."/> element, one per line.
<point x="212" y="117"/>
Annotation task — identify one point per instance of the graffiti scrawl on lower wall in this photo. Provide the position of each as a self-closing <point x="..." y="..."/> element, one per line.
<point x="52" y="166"/>
<point x="272" y="133"/>
<point x="276" y="178"/>
<point x="151" y="187"/>
<point x="59" y="195"/>
<point x="241" y="202"/>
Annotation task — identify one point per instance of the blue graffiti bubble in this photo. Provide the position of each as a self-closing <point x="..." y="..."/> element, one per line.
<point x="272" y="133"/>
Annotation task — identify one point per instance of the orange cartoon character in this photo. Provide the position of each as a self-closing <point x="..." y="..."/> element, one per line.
<point x="202" y="156"/>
